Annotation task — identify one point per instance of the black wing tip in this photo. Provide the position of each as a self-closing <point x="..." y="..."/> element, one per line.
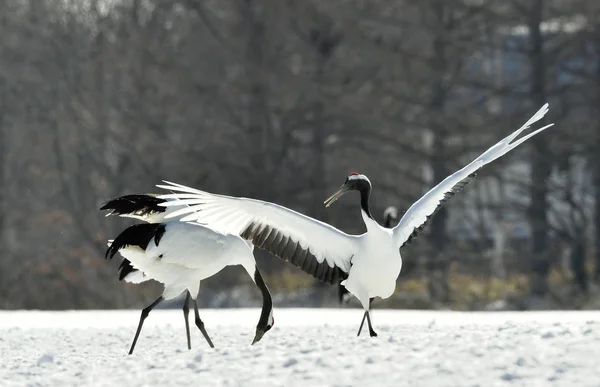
<point x="137" y="235"/>
<point x="128" y="204"/>
<point x="114" y="247"/>
<point x="115" y="204"/>
<point x="112" y="250"/>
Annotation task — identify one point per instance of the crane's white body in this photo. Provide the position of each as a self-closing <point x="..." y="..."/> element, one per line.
<point x="372" y="261"/>
<point x="373" y="273"/>
<point x="186" y="254"/>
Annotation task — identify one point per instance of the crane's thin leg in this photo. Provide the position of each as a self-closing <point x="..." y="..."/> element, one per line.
<point x="186" y="312"/>
<point x="371" y="331"/>
<point x="368" y="317"/>
<point x="362" y="323"/>
<point x="145" y="313"/>
<point x="200" y="325"/>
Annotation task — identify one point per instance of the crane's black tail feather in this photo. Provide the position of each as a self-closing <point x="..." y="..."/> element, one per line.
<point x="125" y="268"/>
<point x="137" y="235"/>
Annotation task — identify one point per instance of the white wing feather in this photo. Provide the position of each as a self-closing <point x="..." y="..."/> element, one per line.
<point x="235" y="215"/>
<point x="190" y="245"/>
<point x="418" y="213"/>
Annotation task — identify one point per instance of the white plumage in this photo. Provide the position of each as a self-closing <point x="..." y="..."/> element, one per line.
<point x="390" y="219"/>
<point x="417" y="214"/>
<point x="368" y="264"/>
<point x="235" y="215"/>
<point x="186" y="254"/>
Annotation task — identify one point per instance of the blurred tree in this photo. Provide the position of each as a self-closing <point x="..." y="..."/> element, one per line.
<point x="280" y="101"/>
<point x="540" y="167"/>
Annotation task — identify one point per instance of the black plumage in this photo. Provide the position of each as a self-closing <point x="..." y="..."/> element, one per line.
<point x="137" y="235"/>
<point x="138" y="205"/>
<point x="125" y="268"/>
<point x="284" y="247"/>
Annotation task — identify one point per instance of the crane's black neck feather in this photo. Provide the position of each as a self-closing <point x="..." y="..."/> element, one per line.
<point x="364" y="187"/>
<point x="364" y="200"/>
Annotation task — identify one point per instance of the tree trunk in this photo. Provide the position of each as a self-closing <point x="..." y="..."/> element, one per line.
<point x="596" y="162"/>
<point x="578" y="263"/>
<point x="3" y="182"/>
<point x="540" y="166"/>
<point x="323" y="41"/>
<point x="256" y="113"/>
<point x="319" y="185"/>
<point x="597" y="209"/>
<point x="4" y="140"/>
<point x="3" y="147"/>
<point x="500" y="232"/>
<point x="438" y="267"/>
<point x="438" y="222"/>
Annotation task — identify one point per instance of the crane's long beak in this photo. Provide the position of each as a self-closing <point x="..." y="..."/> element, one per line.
<point x="343" y="189"/>
<point x="259" y="334"/>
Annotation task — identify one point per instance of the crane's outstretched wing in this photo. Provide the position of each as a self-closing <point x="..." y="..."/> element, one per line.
<point x="419" y="213"/>
<point x="315" y="247"/>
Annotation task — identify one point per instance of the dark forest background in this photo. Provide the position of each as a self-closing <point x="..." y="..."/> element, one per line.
<point x="279" y="100"/>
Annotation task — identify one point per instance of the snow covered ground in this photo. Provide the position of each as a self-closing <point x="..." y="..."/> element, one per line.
<point x="307" y="347"/>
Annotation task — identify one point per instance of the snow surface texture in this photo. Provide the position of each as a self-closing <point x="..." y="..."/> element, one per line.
<point x="307" y="347"/>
